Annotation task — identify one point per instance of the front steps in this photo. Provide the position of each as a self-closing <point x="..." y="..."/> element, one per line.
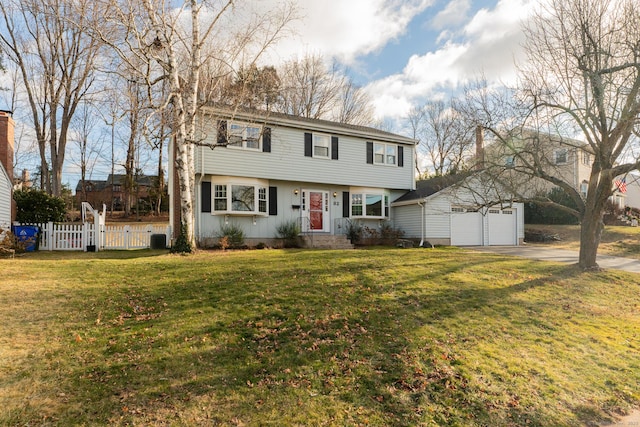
<point x="326" y="241"/>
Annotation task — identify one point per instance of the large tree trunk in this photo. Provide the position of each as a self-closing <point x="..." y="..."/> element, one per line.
<point x="590" y="234"/>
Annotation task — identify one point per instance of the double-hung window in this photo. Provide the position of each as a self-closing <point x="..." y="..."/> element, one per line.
<point x="321" y="145"/>
<point x="240" y="198"/>
<point x="370" y="204"/>
<point x="385" y="154"/>
<point x="561" y="156"/>
<point x="244" y="135"/>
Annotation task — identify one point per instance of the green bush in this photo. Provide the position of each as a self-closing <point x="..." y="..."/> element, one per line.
<point x="231" y="236"/>
<point x="537" y="213"/>
<point x="36" y="207"/>
<point x="289" y="232"/>
<point x="354" y="231"/>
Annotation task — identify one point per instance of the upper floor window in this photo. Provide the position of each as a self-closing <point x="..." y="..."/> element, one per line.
<point x="586" y="158"/>
<point x="244" y="135"/>
<point x="380" y="153"/>
<point x="321" y="144"/>
<point x="561" y="156"/>
<point x="510" y="162"/>
<point x="384" y="154"/>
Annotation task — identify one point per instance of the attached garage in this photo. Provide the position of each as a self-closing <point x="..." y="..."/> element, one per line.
<point x="502" y="226"/>
<point x="466" y="227"/>
<point x="440" y="212"/>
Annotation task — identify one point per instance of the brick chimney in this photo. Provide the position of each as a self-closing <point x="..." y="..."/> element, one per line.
<point x="6" y="148"/>
<point x="479" y="148"/>
<point x="6" y="142"/>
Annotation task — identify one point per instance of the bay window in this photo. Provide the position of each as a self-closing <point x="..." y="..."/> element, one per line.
<point x="242" y="198"/>
<point x="370" y="204"/>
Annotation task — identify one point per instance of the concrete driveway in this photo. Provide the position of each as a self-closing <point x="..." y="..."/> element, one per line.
<point x="546" y="253"/>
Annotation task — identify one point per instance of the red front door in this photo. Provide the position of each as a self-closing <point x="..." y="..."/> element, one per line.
<point x="316" y="207"/>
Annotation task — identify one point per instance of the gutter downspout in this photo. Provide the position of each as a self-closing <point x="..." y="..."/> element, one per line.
<point x="422" y="221"/>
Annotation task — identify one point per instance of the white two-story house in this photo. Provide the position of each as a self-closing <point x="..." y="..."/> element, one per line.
<point x="268" y="169"/>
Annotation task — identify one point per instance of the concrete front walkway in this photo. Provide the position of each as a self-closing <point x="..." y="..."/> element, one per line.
<point x="547" y="253"/>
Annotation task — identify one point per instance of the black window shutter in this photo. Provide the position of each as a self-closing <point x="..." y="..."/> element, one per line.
<point x="334" y="148"/>
<point x="370" y="152"/>
<point x="308" y="145"/>
<point x="266" y="140"/>
<point x="222" y="132"/>
<point x="205" y="196"/>
<point x="345" y="204"/>
<point x="273" y="200"/>
<point x="400" y="156"/>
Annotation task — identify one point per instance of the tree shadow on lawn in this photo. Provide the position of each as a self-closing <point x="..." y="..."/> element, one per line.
<point x="109" y="254"/>
<point x="306" y="351"/>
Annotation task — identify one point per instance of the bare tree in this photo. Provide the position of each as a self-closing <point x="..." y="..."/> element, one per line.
<point x="582" y="81"/>
<point x="444" y="139"/>
<point x="353" y="105"/>
<point x="308" y="88"/>
<point x="88" y="145"/>
<point x="174" y="44"/>
<point x="48" y="42"/>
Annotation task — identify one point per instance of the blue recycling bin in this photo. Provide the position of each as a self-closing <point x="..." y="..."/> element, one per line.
<point x="26" y="234"/>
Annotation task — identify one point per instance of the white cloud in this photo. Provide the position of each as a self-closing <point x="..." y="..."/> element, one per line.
<point x="452" y="15"/>
<point x="346" y="30"/>
<point x="489" y="44"/>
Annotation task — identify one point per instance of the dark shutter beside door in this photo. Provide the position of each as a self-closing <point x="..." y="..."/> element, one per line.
<point x="345" y="204"/>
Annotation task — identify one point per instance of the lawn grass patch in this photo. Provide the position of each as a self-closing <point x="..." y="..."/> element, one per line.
<point x="617" y="240"/>
<point x="289" y="337"/>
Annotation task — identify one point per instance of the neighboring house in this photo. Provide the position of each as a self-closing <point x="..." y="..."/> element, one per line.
<point x="270" y="169"/>
<point x="632" y="184"/>
<point x="112" y="191"/>
<point x="7" y="211"/>
<point x="566" y="158"/>
<point x="457" y="210"/>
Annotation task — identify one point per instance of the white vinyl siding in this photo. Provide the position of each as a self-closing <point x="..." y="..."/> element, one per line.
<point x="287" y="162"/>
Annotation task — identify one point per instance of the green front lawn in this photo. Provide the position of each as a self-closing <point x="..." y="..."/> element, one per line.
<point x="363" y="337"/>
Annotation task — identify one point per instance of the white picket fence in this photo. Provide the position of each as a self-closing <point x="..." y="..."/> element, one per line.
<point x="81" y="237"/>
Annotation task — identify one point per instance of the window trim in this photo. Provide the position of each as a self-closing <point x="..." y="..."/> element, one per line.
<point x="222" y="190"/>
<point x="327" y="138"/>
<point x="245" y="138"/>
<point x="361" y="196"/>
<point x="559" y="152"/>
<point x="385" y="154"/>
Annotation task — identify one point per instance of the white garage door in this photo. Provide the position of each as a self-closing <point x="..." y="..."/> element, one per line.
<point x="466" y="227"/>
<point x="502" y="227"/>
